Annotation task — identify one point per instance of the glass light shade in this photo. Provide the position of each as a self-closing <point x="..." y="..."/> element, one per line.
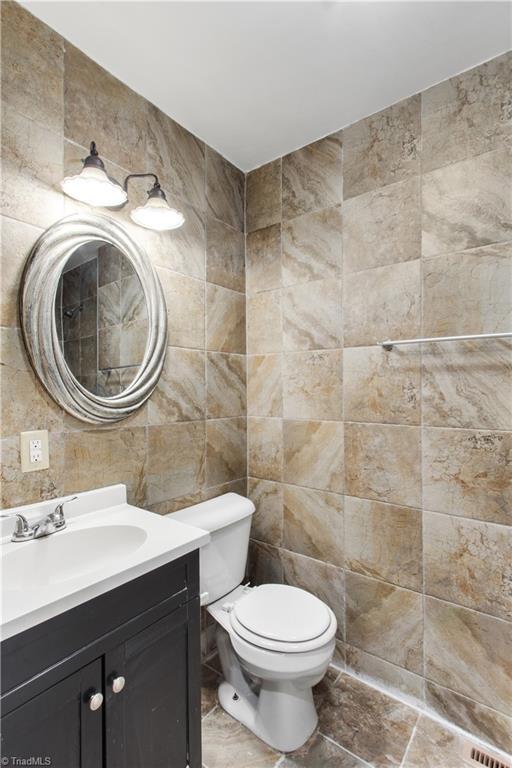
<point x="157" y="214"/>
<point x="93" y="186"/>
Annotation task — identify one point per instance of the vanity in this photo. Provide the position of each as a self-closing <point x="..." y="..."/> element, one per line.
<point x="100" y="643"/>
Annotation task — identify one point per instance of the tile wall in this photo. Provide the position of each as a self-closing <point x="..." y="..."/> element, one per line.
<point x="383" y="480"/>
<point x="189" y="441"/>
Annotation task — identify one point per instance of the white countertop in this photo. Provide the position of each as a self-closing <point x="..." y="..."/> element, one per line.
<point x="107" y="542"/>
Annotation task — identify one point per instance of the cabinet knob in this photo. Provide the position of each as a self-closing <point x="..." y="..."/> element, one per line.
<point x="95" y="701"/>
<point x="118" y="684"/>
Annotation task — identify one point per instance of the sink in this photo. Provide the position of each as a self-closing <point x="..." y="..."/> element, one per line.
<point x="66" y="555"/>
<point x="107" y="543"/>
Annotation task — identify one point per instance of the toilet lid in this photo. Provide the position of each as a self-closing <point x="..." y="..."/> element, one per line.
<point x="282" y="613"/>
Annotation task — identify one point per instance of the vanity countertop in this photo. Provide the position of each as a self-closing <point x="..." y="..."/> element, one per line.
<point x="107" y="542"/>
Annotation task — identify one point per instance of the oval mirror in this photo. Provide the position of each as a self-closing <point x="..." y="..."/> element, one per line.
<point x="93" y="317"/>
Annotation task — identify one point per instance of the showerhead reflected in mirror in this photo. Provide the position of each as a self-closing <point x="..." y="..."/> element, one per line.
<point x="101" y="318"/>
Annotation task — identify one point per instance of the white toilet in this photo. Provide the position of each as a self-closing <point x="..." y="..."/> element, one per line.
<point x="275" y="642"/>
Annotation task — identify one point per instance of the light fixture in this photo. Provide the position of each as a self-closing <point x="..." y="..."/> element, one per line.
<point x="93" y="186"/>
<point x="156" y="213"/>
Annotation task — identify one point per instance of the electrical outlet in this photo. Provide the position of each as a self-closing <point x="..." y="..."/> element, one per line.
<point x="34" y="450"/>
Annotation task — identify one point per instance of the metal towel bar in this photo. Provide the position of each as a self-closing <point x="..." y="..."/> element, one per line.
<point x="389" y="344"/>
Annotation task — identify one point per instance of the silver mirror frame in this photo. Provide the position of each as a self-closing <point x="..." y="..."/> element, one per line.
<point x="37" y="317"/>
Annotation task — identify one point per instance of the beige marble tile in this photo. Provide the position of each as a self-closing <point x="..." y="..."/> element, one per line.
<point x="176" y="156"/>
<point x="318" y="752"/>
<point x="469" y="292"/>
<point x="468" y="562"/>
<point x="225" y="320"/>
<point x="226" y="449"/>
<point x="183" y="249"/>
<point x="264" y="564"/>
<point x="227" y="743"/>
<point x="267" y="521"/>
<point x="224" y="190"/>
<point x="469" y="653"/>
<point x="174" y="505"/>
<point x="210" y="680"/>
<point x="385" y="620"/>
<point x="374" y="726"/>
<point x="180" y="392"/>
<point x="312" y="246"/>
<point x="32" y="67"/>
<point x="313" y="454"/>
<point x="395" y="679"/>
<point x="382" y="226"/>
<point x="467" y="204"/>
<point x="264" y="385"/>
<point x="176" y="460"/>
<point x="383" y="462"/>
<point x="233" y="486"/>
<point x="19" y="488"/>
<point x="265" y="448"/>
<point x="384" y="541"/>
<point x="312" y="315"/>
<point x="325" y="581"/>
<point x="32" y="169"/>
<point x="263" y="204"/>
<point x="433" y="745"/>
<point x="263" y="259"/>
<point x="485" y="723"/>
<point x="264" y="325"/>
<point x="312" y="385"/>
<point x="225" y="376"/>
<point x="382" y="303"/>
<point x="24" y="403"/>
<point x="467" y="115"/>
<point x="185" y="301"/>
<point x="95" y="459"/>
<point x="381" y="386"/>
<point x="312" y="177"/>
<point x="468" y="384"/>
<point x="17" y="241"/>
<point x="382" y="148"/>
<point x="313" y="524"/>
<point x="100" y="111"/>
<point x="467" y="472"/>
<point x="225" y="255"/>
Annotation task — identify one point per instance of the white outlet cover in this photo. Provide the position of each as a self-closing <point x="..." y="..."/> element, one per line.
<point x="27" y="449"/>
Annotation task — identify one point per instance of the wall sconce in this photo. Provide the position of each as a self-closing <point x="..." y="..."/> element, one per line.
<point x="95" y="187"/>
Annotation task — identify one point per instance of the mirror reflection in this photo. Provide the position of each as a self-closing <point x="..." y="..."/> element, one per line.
<point x="101" y="318"/>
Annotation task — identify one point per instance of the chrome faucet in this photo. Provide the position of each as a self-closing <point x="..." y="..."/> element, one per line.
<point x="55" y="521"/>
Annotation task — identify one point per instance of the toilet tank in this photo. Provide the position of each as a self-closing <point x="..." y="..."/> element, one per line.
<point x="223" y="560"/>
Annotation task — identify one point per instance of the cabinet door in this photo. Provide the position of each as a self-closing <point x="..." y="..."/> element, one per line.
<point x="147" y="721"/>
<point x="57" y="727"/>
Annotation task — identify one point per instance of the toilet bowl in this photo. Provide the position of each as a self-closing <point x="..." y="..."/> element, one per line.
<point x="275" y="641"/>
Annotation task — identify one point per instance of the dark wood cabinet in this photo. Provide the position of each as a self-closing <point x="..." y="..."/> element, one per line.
<point x="146" y="667"/>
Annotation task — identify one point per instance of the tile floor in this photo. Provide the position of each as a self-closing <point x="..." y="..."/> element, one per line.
<point x="375" y="731"/>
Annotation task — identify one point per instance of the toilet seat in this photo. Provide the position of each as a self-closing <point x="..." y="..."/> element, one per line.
<point x="282" y="618"/>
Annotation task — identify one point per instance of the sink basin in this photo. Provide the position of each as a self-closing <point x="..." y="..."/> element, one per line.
<point x="67" y="555"/>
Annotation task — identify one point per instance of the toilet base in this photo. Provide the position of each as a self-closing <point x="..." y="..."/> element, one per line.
<point x="282" y="713"/>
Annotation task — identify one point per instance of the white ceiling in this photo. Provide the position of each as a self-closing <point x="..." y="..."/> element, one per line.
<point x="256" y="80"/>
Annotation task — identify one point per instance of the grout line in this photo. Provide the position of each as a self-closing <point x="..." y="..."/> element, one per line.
<point x="352" y="754"/>
<point x="413" y="734"/>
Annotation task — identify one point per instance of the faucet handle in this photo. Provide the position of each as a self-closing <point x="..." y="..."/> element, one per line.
<point x="58" y="513"/>
<point x="22" y="531"/>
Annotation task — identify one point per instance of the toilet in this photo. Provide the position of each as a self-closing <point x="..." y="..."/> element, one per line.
<point x="275" y="641"/>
